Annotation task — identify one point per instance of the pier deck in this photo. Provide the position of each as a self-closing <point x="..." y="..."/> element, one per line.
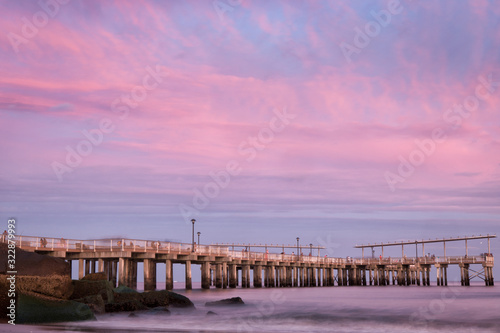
<point x="224" y="267"/>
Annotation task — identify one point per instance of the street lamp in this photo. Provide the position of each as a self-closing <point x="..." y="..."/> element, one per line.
<point x="198" y="233"/>
<point x="192" y="245"/>
<point x="298" y="253"/>
<point x="311" y="250"/>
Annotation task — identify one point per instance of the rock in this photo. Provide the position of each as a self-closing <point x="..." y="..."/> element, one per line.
<point x="95" y="277"/>
<point x="38" y="273"/>
<point x="132" y="314"/>
<point x="211" y="313"/>
<point x="132" y="305"/>
<point x="84" y="288"/>
<point x="154" y="299"/>
<point x="179" y="301"/>
<point x="95" y="303"/>
<point x="165" y="298"/>
<point x="227" y="301"/>
<point x="34" y="264"/>
<point x="123" y="294"/>
<point x="4" y="298"/>
<point x="35" y="310"/>
<point x="124" y="289"/>
<point x="54" y="286"/>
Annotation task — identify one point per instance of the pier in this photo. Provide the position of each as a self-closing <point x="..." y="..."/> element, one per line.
<point x="230" y="265"/>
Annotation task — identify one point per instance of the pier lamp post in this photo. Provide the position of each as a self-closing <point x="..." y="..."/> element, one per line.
<point x="298" y="253"/>
<point x="311" y="249"/>
<point x="192" y="243"/>
<point x="198" y="233"/>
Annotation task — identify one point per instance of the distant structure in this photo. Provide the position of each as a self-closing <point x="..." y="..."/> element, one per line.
<point x="229" y="265"/>
<point x="412" y="268"/>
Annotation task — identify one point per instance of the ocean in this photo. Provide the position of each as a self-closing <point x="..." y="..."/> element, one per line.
<point x="320" y="309"/>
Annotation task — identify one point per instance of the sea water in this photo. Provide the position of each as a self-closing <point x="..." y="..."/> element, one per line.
<point x="317" y="309"/>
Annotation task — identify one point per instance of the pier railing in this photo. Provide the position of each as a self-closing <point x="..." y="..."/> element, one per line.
<point x="134" y="245"/>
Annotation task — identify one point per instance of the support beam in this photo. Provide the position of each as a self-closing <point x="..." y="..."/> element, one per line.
<point x="205" y="275"/>
<point x="114" y="273"/>
<point x="225" y="275"/>
<point x="124" y="272"/>
<point x="244" y="276"/>
<point x="248" y="276"/>
<point x="149" y="275"/>
<point x="169" y="279"/>
<point x="218" y="275"/>
<point x="100" y="265"/>
<point x="189" y="283"/>
<point x="257" y="276"/>
<point x="233" y="276"/>
<point x="132" y="277"/>
<point x="81" y="268"/>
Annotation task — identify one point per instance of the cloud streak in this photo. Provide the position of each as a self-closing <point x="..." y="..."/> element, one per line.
<point x="223" y="83"/>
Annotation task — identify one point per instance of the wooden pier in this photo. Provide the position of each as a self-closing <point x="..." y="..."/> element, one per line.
<point x="226" y="266"/>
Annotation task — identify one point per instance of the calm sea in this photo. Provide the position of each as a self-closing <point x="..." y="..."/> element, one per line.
<point x="320" y="309"/>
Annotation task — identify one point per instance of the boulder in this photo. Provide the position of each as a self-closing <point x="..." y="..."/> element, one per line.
<point x="132" y="305"/>
<point x="84" y="288"/>
<point x="227" y="301"/>
<point x="38" y="273"/>
<point x="58" y="286"/>
<point x="4" y="297"/>
<point x="95" y="277"/>
<point x="179" y="301"/>
<point x="95" y="303"/>
<point x="156" y="298"/>
<point x="211" y="313"/>
<point x="124" y="289"/>
<point x="54" y="286"/>
<point x="34" y="264"/>
<point x="35" y="310"/>
<point x="124" y="294"/>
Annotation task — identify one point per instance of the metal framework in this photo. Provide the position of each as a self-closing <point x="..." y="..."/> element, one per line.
<point x="423" y="242"/>
<point x="276" y="246"/>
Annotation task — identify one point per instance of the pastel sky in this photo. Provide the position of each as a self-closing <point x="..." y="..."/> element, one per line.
<point x="186" y="89"/>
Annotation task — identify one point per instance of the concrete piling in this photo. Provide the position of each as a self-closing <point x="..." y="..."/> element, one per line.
<point x="189" y="282"/>
<point x="149" y="275"/>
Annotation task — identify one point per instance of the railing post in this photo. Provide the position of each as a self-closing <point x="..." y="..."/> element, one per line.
<point x="67" y="245"/>
<point x="20" y="242"/>
<point x="111" y="245"/>
<point x="123" y="244"/>
<point x="52" y="246"/>
<point x="94" y="246"/>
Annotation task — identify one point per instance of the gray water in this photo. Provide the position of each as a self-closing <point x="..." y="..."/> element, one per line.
<point x="320" y="309"/>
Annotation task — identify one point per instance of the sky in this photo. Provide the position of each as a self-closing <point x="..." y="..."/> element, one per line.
<point x="339" y="122"/>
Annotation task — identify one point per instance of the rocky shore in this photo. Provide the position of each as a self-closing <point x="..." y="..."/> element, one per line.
<point x="45" y="292"/>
